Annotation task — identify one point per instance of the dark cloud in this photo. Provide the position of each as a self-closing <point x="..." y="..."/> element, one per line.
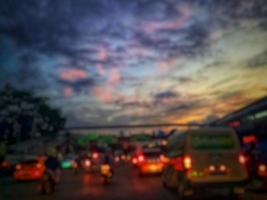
<point x="132" y="104"/>
<point x="166" y="95"/>
<point x="38" y="38"/>
<point x="183" y="106"/>
<point x="258" y="60"/>
<point x="230" y="94"/>
<point x="215" y="64"/>
<point x="184" y="80"/>
<point x="78" y="85"/>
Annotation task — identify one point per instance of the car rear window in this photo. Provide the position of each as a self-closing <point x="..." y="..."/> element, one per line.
<point x="151" y="154"/>
<point x="215" y="141"/>
<point x="30" y="162"/>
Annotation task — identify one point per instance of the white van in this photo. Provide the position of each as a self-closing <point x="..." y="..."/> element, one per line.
<point x="205" y="158"/>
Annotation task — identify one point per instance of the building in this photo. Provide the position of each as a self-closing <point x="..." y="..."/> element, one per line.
<point x="248" y="121"/>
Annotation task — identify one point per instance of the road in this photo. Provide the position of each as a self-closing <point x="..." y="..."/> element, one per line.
<point x="126" y="185"/>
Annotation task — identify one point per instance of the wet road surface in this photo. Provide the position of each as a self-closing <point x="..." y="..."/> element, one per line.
<point x="84" y="186"/>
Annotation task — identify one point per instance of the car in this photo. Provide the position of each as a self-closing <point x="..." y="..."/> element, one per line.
<point x="29" y="170"/>
<point x="205" y="158"/>
<point x="150" y="161"/>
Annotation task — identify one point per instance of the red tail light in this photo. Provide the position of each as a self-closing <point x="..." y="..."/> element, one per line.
<point x="18" y="167"/>
<point x="87" y="163"/>
<point x="117" y="159"/>
<point x="39" y="165"/>
<point x="187" y="162"/>
<point x="134" y="161"/>
<point x="242" y="159"/>
<point x="212" y="168"/>
<point x="5" y="164"/>
<point x="162" y="158"/>
<point x="178" y="163"/>
<point x="262" y="170"/>
<point x="95" y="155"/>
<point x="141" y="158"/>
<point x="223" y="168"/>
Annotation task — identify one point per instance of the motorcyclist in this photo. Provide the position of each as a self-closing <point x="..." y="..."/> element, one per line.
<point x="52" y="164"/>
<point x="108" y="160"/>
<point x="79" y="160"/>
<point x="252" y="155"/>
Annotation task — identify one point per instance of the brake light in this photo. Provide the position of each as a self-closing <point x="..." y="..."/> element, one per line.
<point x="18" y="167"/>
<point x="123" y="157"/>
<point x="242" y="159"/>
<point x="95" y="155"/>
<point x="135" y="161"/>
<point x="212" y="168"/>
<point x="39" y="165"/>
<point x="74" y="164"/>
<point x="262" y="168"/>
<point x="117" y="159"/>
<point x="187" y="162"/>
<point x="162" y="158"/>
<point x="141" y="158"/>
<point x="222" y="168"/>
<point x="87" y="163"/>
<point x="178" y="164"/>
<point x="5" y="164"/>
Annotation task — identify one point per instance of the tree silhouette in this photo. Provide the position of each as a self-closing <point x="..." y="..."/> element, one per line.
<point x="24" y="115"/>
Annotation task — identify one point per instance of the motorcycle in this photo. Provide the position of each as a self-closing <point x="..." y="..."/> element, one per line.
<point x="258" y="175"/>
<point x="49" y="181"/>
<point x="86" y="164"/>
<point x="106" y="173"/>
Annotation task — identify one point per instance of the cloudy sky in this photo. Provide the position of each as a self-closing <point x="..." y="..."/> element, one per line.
<point x="137" y="61"/>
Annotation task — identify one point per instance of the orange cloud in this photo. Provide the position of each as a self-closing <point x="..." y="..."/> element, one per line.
<point x="72" y="74"/>
<point x="105" y="94"/>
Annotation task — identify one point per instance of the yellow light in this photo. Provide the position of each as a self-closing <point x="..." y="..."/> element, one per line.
<point x="105" y="169"/>
<point x="164" y="142"/>
<point x="187" y="162"/>
<point x="153" y="168"/>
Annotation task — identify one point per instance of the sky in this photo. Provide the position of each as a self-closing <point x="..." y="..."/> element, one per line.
<point x="106" y="62"/>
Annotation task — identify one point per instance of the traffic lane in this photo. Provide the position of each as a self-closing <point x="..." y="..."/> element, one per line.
<point x="126" y="185"/>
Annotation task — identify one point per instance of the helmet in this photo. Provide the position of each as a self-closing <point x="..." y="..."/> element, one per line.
<point x="51" y="152"/>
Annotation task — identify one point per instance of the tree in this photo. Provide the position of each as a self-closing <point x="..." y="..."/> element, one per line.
<point x="23" y="115"/>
